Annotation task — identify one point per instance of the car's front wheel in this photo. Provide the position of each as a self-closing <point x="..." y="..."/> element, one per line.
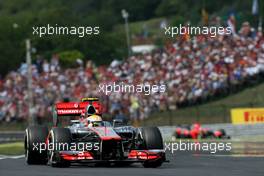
<point x="59" y="139"/>
<point x="152" y="140"/>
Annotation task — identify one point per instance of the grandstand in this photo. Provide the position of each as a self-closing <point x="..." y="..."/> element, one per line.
<point x="195" y="71"/>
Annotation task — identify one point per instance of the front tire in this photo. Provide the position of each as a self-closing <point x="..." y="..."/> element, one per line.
<point x="58" y="136"/>
<point x="152" y="139"/>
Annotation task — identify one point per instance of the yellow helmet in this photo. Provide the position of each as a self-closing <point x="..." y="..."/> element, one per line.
<point x="94" y="120"/>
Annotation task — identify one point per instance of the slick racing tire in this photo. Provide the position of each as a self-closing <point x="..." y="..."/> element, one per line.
<point x="34" y="138"/>
<point x="152" y="139"/>
<point x="58" y="136"/>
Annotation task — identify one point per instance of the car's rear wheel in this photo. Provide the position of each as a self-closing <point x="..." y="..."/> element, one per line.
<point x="59" y="139"/>
<point x="35" y="137"/>
<point x="152" y="139"/>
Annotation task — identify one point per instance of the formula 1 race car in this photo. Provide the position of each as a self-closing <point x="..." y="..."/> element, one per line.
<point x="195" y="131"/>
<point x="99" y="142"/>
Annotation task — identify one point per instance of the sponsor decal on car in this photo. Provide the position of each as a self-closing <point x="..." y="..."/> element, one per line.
<point x="69" y="111"/>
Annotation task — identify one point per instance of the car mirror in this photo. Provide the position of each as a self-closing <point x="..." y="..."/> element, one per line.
<point x="119" y="122"/>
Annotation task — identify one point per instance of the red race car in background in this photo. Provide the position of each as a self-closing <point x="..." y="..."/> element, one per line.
<point x="195" y="131"/>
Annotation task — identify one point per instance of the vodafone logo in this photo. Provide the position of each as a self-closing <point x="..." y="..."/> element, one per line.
<point x="75" y="105"/>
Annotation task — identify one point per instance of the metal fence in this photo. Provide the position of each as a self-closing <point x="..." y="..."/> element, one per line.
<point x="11" y="136"/>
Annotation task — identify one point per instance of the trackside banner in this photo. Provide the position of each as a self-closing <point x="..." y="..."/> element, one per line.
<point x="247" y="115"/>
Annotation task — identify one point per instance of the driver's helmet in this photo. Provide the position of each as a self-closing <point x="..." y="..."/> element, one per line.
<point x="94" y="120"/>
<point x="196" y="126"/>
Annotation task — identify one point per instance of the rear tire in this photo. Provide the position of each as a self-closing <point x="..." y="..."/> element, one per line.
<point x="57" y="136"/>
<point x="152" y="139"/>
<point x="34" y="137"/>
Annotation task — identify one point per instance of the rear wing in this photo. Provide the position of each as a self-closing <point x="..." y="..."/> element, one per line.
<point x="74" y="109"/>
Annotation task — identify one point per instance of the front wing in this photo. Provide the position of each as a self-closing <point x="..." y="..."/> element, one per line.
<point x="133" y="157"/>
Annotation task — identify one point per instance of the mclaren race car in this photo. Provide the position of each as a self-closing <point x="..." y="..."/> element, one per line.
<point x="89" y="139"/>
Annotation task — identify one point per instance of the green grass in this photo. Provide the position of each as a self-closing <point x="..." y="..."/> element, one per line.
<point x="212" y="112"/>
<point x="16" y="148"/>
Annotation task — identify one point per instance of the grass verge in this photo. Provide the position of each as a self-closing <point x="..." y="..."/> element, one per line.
<point x="16" y="148"/>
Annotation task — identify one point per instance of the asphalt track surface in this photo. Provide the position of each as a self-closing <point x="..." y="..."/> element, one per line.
<point x="180" y="164"/>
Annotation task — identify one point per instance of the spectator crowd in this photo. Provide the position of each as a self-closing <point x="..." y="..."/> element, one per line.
<point x="192" y="70"/>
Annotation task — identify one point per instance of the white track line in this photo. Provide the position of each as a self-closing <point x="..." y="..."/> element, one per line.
<point x="235" y="155"/>
<point x="11" y="157"/>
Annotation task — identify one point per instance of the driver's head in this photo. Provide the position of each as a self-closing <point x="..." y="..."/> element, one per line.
<point x="94" y="120"/>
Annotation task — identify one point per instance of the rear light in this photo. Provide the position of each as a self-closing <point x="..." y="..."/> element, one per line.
<point x="77" y="156"/>
<point x="143" y="155"/>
